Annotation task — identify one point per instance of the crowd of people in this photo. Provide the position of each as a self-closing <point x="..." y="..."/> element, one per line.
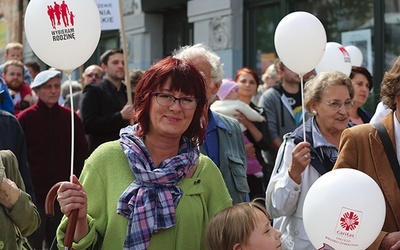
<point x="196" y="161"/>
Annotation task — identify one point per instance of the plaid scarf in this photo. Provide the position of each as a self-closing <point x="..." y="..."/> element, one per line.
<point x="150" y="200"/>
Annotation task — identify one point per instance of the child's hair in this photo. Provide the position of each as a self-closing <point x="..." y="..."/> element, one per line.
<point x="233" y="225"/>
<point x="14" y="46"/>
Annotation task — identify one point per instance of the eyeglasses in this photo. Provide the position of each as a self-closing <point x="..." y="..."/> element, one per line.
<point x="167" y="100"/>
<point x="335" y="105"/>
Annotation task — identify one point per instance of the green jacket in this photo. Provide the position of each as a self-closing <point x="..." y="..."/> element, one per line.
<point x="24" y="214"/>
<point x="105" y="177"/>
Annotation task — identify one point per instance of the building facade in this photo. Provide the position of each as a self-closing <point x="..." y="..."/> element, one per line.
<point x="242" y="31"/>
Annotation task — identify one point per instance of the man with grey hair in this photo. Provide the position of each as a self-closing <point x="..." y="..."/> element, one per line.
<point x="224" y="141"/>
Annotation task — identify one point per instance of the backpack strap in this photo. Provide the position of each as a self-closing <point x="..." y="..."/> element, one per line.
<point x="319" y="160"/>
<point x="388" y="146"/>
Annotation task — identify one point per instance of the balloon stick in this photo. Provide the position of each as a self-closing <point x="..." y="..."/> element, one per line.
<point x="68" y="74"/>
<point x="73" y="218"/>
<point x="303" y="110"/>
<point x="126" y="61"/>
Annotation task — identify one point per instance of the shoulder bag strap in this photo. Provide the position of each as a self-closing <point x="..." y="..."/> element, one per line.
<point x="390" y="153"/>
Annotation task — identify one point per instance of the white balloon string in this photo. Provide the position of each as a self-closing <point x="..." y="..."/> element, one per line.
<point x="303" y="110"/>
<point x="72" y="122"/>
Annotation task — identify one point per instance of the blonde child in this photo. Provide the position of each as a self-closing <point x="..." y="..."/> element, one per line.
<point x="14" y="51"/>
<point x="243" y="226"/>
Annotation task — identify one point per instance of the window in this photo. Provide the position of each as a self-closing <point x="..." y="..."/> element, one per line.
<point x="260" y="24"/>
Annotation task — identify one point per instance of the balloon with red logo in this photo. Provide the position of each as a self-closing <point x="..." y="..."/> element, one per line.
<point x="63" y="33"/>
<point x="335" y="58"/>
<point x="343" y="209"/>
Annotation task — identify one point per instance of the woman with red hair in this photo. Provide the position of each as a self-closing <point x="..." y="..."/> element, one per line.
<point x="257" y="133"/>
<point x="151" y="189"/>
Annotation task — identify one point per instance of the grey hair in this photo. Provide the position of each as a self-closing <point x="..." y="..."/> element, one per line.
<point x="191" y="51"/>
<point x="76" y="86"/>
<point x="314" y="88"/>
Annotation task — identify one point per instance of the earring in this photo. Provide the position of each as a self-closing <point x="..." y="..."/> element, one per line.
<point x="314" y="112"/>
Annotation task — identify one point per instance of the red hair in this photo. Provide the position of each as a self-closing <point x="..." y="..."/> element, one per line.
<point x="247" y="71"/>
<point x="184" y="78"/>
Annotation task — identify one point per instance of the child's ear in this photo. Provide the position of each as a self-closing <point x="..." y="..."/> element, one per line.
<point x="237" y="246"/>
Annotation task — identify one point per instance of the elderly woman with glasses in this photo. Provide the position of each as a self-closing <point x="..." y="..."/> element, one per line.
<point x="151" y="189"/>
<point x="301" y="161"/>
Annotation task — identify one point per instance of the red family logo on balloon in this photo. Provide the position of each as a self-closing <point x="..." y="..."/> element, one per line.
<point x="58" y="13"/>
<point x="348" y="223"/>
<point x="345" y="54"/>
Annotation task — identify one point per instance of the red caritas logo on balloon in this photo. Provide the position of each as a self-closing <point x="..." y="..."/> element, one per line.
<point x="348" y="223"/>
<point x="62" y="20"/>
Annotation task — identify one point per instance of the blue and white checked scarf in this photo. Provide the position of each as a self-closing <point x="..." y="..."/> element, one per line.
<point x="149" y="202"/>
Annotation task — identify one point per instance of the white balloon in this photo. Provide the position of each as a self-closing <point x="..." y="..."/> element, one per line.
<point x="300" y="40"/>
<point x="344" y="209"/>
<point x="63" y="34"/>
<point x="336" y="58"/>
<point x="355" y="55"/>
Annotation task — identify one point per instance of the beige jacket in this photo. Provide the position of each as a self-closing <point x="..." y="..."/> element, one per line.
<point x="361" y="148"/>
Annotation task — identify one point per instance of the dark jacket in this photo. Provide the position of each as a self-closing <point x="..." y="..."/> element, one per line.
<point x="364" y="115"/>
<point x="12" y="138"/>
<point x="100" y="111"/>
<point x="265" y="143"/>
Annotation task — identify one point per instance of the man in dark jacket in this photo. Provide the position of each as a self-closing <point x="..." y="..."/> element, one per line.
<point x="104" y="107"/>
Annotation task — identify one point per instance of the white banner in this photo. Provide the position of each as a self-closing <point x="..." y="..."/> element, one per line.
<point x="109" y="14"/>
